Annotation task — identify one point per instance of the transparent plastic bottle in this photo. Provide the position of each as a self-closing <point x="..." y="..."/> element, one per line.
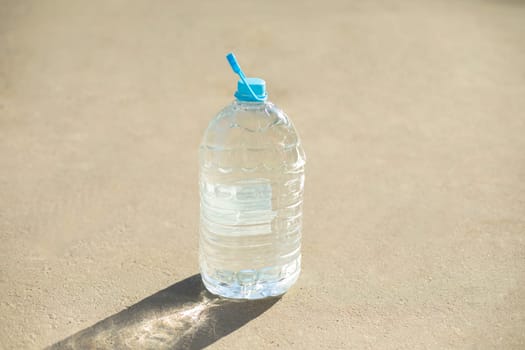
<point x="251" y="190"/>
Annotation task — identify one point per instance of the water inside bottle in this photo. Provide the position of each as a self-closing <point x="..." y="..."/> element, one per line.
<point x="251" y="186"/>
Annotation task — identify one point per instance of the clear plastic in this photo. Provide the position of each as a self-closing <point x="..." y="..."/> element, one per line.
<point x="251" y="190"/>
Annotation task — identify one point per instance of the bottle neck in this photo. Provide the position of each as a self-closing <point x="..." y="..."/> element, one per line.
<point x="249" y="104"/>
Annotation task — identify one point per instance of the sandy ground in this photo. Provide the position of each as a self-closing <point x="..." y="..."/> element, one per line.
<point x="412" y="115"/>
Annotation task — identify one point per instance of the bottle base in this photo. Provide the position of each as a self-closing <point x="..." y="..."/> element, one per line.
<point x="257" y="290"/>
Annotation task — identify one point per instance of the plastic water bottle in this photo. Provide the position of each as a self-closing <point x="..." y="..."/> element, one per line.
<point x="251" y="192"/>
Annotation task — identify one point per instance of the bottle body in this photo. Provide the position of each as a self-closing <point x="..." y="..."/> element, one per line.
<point x="251" y="188"/>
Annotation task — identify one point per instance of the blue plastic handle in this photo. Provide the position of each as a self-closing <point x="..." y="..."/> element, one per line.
<point x="232" y="60"/>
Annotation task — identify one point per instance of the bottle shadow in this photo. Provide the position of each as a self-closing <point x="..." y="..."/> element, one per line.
<point x="182" y="316"/>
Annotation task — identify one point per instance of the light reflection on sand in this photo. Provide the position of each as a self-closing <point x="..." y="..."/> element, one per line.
<point x="183" y="316"/>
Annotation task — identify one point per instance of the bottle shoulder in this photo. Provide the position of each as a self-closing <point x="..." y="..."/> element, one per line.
<point x="259" y="130"/>
<point x="252" y="135"/>
<point x="251" y="119"/>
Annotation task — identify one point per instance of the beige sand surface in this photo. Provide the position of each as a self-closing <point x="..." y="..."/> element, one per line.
<point x="412" y="114"/>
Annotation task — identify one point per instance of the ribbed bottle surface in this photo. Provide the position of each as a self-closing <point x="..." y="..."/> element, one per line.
<point x="251" y="190"/>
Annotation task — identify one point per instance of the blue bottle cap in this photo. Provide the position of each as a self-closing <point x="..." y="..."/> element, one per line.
<point x="258" y="87"/>
<point x="248" y="89"/>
